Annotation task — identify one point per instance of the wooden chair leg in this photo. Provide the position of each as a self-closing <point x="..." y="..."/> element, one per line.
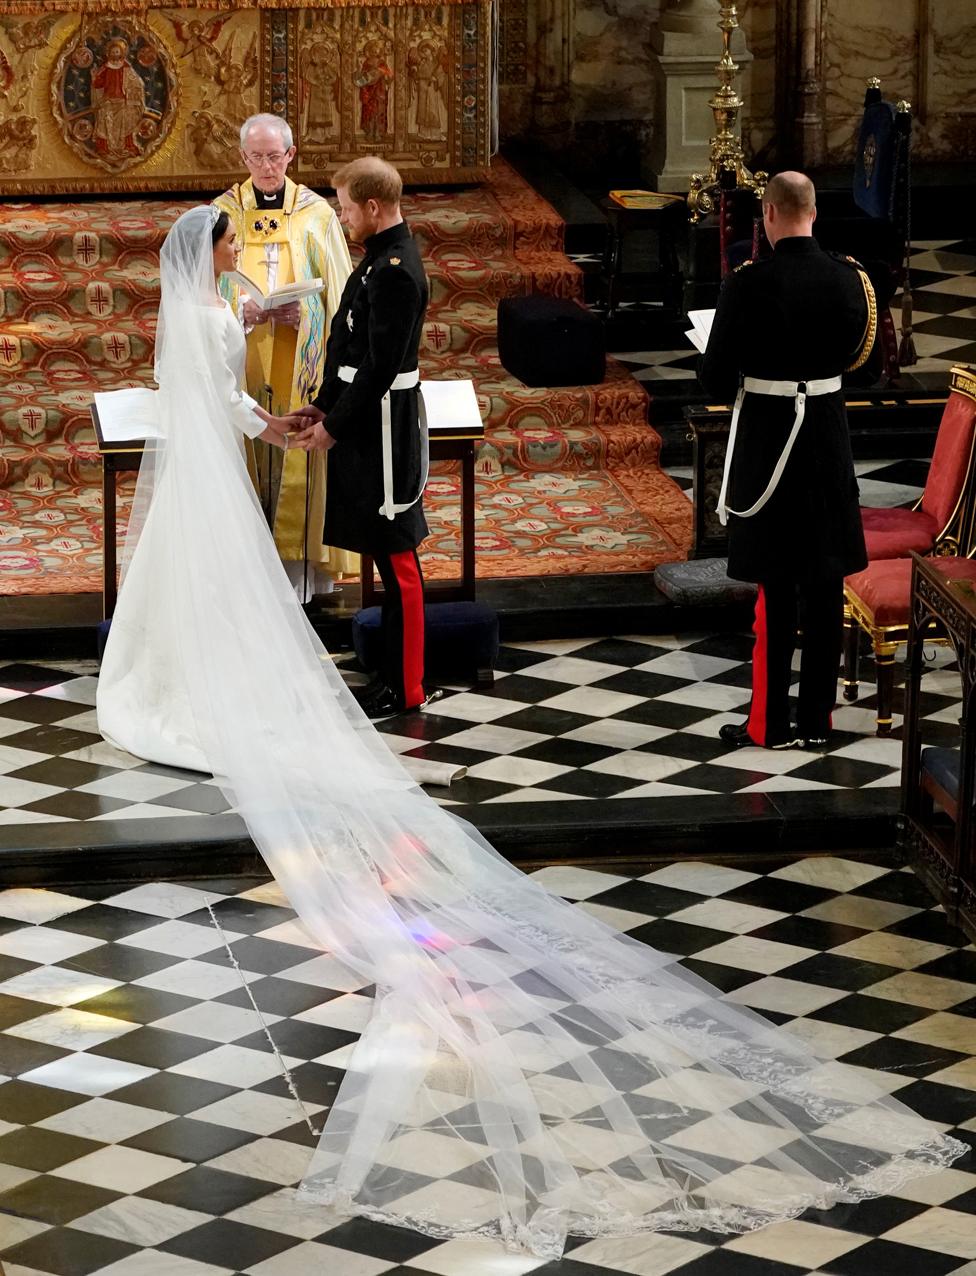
<point x="884" y="659"/>
<point x="852" y="642"/>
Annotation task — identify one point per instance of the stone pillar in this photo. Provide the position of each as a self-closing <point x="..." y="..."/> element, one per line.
<point x="810" y="112"/>
<point x="552" y="115"/>
<point x="686" y="44"/>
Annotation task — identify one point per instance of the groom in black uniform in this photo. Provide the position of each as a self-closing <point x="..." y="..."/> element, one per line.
<point x="368" y="415"/>
<point x="785" y="329"/>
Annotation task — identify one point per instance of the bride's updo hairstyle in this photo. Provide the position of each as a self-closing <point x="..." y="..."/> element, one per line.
<point x="219" y="229"/>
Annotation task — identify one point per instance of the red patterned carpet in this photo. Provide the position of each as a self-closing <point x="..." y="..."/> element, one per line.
<point x="568" y="479"/>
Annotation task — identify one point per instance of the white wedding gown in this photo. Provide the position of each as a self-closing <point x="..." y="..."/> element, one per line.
<point x="144" y="704"/>
<point x="527" y="1072"/>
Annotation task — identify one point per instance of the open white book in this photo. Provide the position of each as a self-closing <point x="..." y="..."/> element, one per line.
<point x="451" y="407"/>
<point x="701" y="326"/>
<point x="278" y="296"/>
<point x="126" y="416"/>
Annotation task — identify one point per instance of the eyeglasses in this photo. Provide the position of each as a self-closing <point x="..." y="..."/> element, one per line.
<point x="274" y="157"/>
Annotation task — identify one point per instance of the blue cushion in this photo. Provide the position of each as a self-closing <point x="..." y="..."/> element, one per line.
<point x="101" y="636"/>
<point x="943" y="766"/>
<point x="460" y="635"/>
<point x="702" y="582"/>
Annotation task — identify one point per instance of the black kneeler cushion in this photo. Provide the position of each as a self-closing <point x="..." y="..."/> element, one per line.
<point x="548" y="341"/>
<point x="460" y="637"/>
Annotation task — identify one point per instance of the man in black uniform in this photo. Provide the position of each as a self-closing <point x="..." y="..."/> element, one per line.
<point x="785" y="329"/>
<point x="368" y="414"/>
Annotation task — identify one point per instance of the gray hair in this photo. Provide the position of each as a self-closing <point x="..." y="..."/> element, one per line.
<point x="269" y="121"/>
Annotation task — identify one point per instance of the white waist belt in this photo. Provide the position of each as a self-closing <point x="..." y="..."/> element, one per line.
<point x="799" y="392"/>
<point x="402" y="381"/>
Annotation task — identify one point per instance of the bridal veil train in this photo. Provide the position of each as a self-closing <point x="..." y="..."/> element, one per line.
<point x="527" y="1072"/>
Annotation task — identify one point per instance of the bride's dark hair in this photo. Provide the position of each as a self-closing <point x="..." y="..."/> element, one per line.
<point x="219" y="229"/>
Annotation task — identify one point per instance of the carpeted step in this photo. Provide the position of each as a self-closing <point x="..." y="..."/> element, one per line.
<point x="473" y="330"/>
<point x="460" y="280"/>
<point x="46" y="421"/>
<point x="589" y="521"/>
<point x="86" y="236"/>
<point x="126" y="345"/>
<point x="123" y="288"/>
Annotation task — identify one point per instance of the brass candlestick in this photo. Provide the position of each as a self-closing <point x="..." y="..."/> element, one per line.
<point x="727" y="168"/>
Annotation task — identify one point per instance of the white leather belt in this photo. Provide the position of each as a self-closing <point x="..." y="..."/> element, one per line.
<point x="402" y="381"/>
<point x="799" y="392"/>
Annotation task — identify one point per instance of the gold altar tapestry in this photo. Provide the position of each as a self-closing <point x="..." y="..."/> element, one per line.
<point x="148" y="95"/>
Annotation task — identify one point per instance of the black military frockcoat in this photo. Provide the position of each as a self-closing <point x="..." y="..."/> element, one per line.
<point x="800" y="314"/>
<point x="376" y="330"/>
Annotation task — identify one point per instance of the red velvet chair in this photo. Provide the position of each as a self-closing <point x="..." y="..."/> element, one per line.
<point x="877" y="600"/>
<point x="938" y="523"/>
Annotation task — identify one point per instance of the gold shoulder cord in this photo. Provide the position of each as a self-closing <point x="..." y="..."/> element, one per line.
<point x="870" y="328"/>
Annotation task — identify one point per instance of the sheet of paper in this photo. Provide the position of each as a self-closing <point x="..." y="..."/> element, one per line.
<point x="451" y="405"/>
<point x="698" y="333"/>
<point x="129" y="414"/>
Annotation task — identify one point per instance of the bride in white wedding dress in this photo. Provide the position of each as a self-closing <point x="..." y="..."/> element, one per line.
<point x="526" y="1073"/>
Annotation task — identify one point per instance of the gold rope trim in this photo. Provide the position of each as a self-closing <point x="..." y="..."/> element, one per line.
<point x="871" y="328"/>
<point x="28" y="8"/>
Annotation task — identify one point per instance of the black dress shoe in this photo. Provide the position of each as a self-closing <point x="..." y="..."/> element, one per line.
<point x="736" y="735"/>
<point x="379" y="702"/>
<point x="383" y="703"/>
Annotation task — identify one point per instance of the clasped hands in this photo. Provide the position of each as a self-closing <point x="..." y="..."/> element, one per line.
<point x="289" y="314"/>
<point x="307" y="431"/>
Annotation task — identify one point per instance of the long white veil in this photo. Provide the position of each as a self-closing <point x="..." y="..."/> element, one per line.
<point x="527" y="1072"/>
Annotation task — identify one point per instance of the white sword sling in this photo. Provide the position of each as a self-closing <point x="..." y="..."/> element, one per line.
<point x="799" y="392"/>
<point x="402" y="381"/>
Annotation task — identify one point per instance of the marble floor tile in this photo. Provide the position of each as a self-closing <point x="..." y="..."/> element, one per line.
<point x="87" y="1074"/>
<point x="121" y="1169"/>
<point x="796" y="1242"/>
<point x="892" y="950"/>
<point x="44" y="944"/>
<point x="727" y="914"/>
<point x="576" y="882"/>
<point x="34" y="906"/>
<point x="164" y="899"/>
<point x="700" y="877"/>
<point x="140" y="1221"/>
<point x="944" y="1030"/>
<point x="313" y="1256"/>
<point x="859" y="910"/>
<point x="56" y="986"/>
<point x="916" y="989"/>
<point x="72" y="1029"/>
<point x="99" y="1118"/>
<point x="747" y="952"/>
<point x="945" y="1230"/>
<point x="830" y="872"/>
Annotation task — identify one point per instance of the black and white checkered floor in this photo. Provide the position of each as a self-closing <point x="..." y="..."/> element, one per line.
<point x="943" y="277"/>
<point x="627" y="717"/>
<point x="145" y="1129"/>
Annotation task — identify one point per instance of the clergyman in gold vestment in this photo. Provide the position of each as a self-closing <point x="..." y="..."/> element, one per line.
<point x="288" y="233"/>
